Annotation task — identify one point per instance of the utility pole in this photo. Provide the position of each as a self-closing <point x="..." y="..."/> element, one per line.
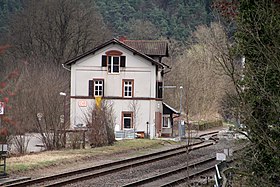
<point x="64" y="118"/>
<point x="181" y="121"/>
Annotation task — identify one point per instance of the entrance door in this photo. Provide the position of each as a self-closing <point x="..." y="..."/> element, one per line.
<point x="158" y="123"/>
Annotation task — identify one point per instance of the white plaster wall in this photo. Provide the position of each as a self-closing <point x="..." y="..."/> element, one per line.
<point x="146" y="112"/>
<point x="141" y="70"/>
<point x="137" y="68"/>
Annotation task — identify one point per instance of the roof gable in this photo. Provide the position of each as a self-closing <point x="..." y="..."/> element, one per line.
<point x="115" y="41"/>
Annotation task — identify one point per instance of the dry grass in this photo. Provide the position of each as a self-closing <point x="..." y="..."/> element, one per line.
<point x="48" y="158"/>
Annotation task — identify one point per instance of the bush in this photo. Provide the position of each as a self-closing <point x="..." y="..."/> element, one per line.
<point x="203" y="125"/>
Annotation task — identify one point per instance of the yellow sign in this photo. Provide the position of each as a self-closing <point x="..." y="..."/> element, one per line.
<point x="98" y="102"/>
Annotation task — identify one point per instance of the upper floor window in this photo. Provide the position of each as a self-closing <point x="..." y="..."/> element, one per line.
<point x="128" y="88"/>
<point x="98" y="87"/>
<point x="113" y="60"/>
<point x="159" y="90"/>
<point x="113" y="64"/>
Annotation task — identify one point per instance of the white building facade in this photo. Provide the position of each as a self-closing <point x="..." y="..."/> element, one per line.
<point x="128" y="78"/>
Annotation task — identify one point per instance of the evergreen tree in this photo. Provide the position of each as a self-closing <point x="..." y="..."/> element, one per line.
<point x="175" y="19"/>
<point x="7" y="7"/>
<point x="259" y="41"/>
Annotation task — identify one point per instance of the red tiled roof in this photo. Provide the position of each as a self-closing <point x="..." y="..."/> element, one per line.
<point x="149" y="47"/>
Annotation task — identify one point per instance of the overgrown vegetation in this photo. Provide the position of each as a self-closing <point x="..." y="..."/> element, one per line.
<point x="99" y="120"/>
<point x="259" y="41"/>
<point x="43" y="35"/>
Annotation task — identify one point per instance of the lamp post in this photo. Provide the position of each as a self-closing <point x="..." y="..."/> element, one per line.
<point x="181" y="95"/>
<point x="181" y="121"/>
<point x="64" y="117"/>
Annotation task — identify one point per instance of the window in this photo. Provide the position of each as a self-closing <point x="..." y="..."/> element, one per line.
<point x="166" y="122"/>
<point x="113" y="64"/>
<point x="128" y="87"/>
<point x="127" y="120"/>
<point x="113" y="60"/>
<point x="159" y="90"/>
<point x="98" y="87"/>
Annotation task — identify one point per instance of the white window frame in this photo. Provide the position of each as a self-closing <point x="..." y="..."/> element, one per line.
<point x="168" y="122"/>
<point x="111" y="64"/>
<point x="128" y="84"/>
<point x="98" y="83"/>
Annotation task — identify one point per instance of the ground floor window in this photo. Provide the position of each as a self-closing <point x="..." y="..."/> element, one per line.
<point x="166" y="122"/>
<point x="127" y="120"/>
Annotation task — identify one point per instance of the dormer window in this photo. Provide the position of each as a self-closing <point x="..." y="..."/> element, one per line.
<point x="113" y="60"/>
<point x="113" y="64"/>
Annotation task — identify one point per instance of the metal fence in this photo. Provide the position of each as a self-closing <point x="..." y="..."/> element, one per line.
<point x="125" y="134"/>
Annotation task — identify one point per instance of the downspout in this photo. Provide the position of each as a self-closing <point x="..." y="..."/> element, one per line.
<point x="65" y="67"/>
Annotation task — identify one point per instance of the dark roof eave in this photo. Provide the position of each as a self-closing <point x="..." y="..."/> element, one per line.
<point x="170" y="108"/>
<point x="92" y="51"/>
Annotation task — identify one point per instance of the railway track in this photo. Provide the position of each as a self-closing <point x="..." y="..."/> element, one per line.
<point x="177" y="176"/>
<point x="101" y="170"/>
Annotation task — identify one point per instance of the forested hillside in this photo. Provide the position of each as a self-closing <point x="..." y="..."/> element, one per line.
<point x="175" y="19"/>
<point x="140" y="19"/>
<point x="48" y="33"/>
<point x="8" y="7"/>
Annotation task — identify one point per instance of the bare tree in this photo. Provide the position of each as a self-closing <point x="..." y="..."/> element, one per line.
<point x="9" y="94"/>
<point x="100" y="123"/>
<point x="134" y="106"/>
<point x="45" y="34"/>
<point x="199" y="73"/>
<point x="56" y="30"/>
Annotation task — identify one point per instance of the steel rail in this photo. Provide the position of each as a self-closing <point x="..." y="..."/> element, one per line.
<point x="209" y="133"/>
<point x="98" y="167"/>
<point x="183" y="179"/>
<point x="172" y="172"/>
<point x="125" y="164"/>
<point x="122" y="167"/>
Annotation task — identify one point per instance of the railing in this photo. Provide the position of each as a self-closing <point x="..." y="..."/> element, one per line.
<point x="217" y="177"/>
<point x="125" y="134"/>
<point x="3" y="156"/>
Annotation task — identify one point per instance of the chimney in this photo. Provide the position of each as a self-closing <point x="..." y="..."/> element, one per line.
<point x="122" y="38"/>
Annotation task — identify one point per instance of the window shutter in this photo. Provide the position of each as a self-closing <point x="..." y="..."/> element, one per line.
<point x="123" y="58"/>
<point x="90" y="88"/>
<point x="104" y="60"/>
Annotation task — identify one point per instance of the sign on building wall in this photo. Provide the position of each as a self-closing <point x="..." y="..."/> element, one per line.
<point x="1" y="108"/>
<point x="82" y="103"/>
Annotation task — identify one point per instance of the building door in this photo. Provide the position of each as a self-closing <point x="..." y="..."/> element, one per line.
<point x="158" y="123"/>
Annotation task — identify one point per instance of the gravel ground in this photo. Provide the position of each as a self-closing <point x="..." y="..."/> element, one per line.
<point x="133" y="174"/>
<point x="86" y="162"/>
<point x="129" y="175"/>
